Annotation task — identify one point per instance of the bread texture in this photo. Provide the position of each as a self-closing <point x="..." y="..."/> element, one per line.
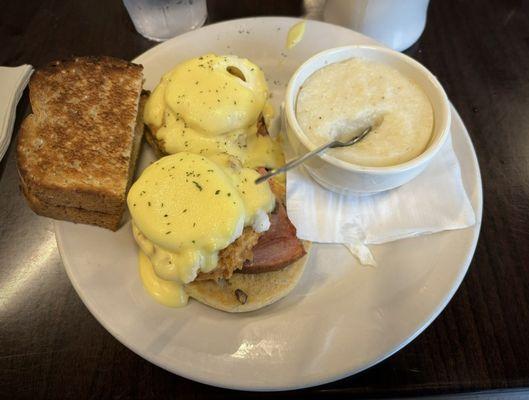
<point x="77" y="151"/>
<point x="77" y="215"/>
<point x="249" y="292"/>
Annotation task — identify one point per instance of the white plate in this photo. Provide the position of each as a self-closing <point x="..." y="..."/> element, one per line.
<point x="341" y="319"/>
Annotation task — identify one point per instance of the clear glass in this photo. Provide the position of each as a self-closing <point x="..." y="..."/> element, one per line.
<point x="163" y="19"/>
<point x="397" y="24"/>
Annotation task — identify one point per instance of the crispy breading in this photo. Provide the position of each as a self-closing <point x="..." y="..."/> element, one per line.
<point x="236" y="254"/>
<point x="233" y="257"/>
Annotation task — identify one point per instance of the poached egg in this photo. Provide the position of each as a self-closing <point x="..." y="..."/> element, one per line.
<point x="185" y="209"/>
<point x="210" y="105"/>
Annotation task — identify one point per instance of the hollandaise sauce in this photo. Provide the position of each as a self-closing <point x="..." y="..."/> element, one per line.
<point x="210" y="105"/>
<point x="168" y="293"/>
<point x="185" y="209"/>
<point x="295" y="34"/>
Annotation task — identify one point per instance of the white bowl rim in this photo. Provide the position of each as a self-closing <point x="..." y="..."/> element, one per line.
<point x="442" y="125"/>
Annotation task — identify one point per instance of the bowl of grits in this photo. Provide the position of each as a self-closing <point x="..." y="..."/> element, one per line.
<point x="347" y="89"/>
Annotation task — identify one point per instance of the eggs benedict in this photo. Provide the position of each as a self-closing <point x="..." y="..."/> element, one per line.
<point x="206" y="230"/>
<point x="210" y="105"/>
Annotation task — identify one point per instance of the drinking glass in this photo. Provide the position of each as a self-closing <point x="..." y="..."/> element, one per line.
<point x="163" y="19"/>
<point x="396" y="23"/>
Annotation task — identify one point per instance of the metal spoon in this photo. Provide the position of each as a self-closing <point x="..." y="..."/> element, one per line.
<point x="345" y="140"/>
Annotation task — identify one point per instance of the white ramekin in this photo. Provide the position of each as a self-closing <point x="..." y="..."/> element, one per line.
<point x="347" y="178"/>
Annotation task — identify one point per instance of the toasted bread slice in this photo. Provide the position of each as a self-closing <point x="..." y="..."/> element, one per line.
<point x="77" y="215"/>
<point x="79" y="146"/>
<point x="80" y="215"/>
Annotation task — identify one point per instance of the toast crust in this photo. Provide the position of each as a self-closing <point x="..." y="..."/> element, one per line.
<point x="75" y="150"/>
<point x="72" y="214"/>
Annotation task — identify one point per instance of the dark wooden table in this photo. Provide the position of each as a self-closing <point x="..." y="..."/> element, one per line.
<point x="50" y="345"/>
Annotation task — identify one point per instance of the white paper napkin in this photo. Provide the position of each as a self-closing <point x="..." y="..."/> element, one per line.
<point x="12" y="84"/>
<point x="434" y="201"/>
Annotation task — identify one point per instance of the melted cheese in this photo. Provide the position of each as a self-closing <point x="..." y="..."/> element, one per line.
<point x="186" y="208"/>
<point x="295" y="34"/>
<point x="211" y="104"/>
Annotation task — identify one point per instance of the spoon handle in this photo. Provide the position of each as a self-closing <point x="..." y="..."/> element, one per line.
<point x="297" y="161"/>
<point x="293" y="163"/>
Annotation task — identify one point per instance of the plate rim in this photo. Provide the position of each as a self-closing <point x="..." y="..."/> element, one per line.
<point x="476" y="229"/>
